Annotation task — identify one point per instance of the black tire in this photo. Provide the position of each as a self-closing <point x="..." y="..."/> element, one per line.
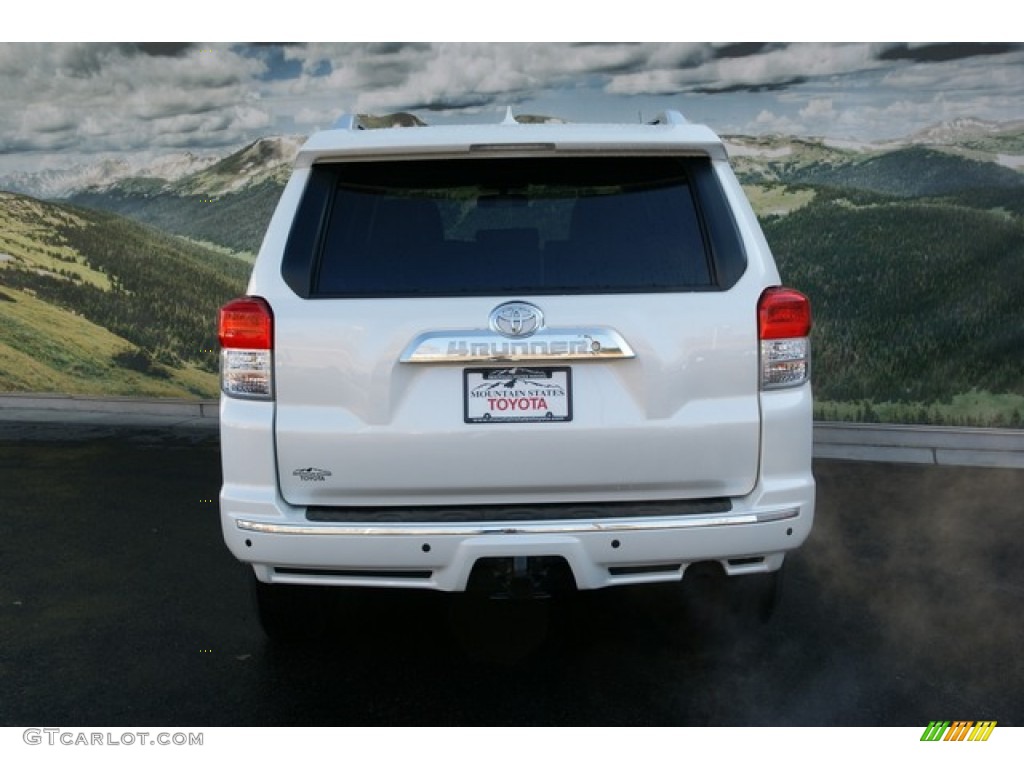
<point x="290" y="612"/>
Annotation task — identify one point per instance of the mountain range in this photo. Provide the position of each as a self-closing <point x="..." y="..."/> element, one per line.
<point x="60" y="183"/>
<point x="270" y="157"/>
<point x="912" y="253"/>
<point x="229" y="202"/>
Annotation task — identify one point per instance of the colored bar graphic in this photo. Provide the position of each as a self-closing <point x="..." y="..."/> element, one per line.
<point x="958" y="730"/>
<point x="982" y="730"/>
<point x="935" y="730"/>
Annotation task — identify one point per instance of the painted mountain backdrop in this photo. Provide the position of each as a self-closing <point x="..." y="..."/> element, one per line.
<point x="912" y="253"/>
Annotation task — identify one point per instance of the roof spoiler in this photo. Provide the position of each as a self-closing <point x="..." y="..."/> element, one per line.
<point x="354" y="122"/>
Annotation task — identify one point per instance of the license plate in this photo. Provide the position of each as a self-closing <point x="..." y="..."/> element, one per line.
<point x="501" y="395"/>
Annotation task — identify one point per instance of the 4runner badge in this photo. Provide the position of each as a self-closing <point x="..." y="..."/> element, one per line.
<point x="516" y="319"/>
<point x="312" y="474"/>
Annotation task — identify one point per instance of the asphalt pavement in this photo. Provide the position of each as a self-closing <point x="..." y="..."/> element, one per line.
<point x="120" y="605"/>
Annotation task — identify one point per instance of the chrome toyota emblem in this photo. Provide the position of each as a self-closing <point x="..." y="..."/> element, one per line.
<point x="516" y="319"/>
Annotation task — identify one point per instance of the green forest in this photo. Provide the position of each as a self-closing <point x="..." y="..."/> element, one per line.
<point x="915" y="302"/>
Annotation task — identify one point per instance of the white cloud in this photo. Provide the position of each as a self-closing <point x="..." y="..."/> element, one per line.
<point x="45" y="118"/>
<point x="315" y="117"/>
<point x="91" y="98"/>
<point x="120" y="98"/>
<point x="769" y="122"/>
<point x="818" y="109"/>
<point x="772" y="67"/>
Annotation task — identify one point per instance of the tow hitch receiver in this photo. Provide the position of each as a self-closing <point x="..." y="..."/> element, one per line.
<point x="521" y="578"/>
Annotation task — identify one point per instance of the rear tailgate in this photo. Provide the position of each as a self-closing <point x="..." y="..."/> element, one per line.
<point x="357" y="426"/>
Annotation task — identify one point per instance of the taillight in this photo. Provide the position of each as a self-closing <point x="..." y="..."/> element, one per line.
<point x="246" y="333"/>
<point x="784" y="325"/>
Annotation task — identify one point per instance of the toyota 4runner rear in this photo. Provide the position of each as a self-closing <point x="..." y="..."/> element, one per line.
<point x="513" y="358"/>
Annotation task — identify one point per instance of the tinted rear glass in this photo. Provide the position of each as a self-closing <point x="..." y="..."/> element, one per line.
<point x="522" y="226"/>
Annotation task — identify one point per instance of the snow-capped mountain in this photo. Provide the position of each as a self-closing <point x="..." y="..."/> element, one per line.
<point x="265" y="159"/>
<point x="61" y="182"/>
<point x="956" y="131"/>
<point x="181" y="172"/>
<point x="64" y="182"/>
<point x="174" y="167"/>
<point x="187" y="173"/>
<point x="1000" y="143"/>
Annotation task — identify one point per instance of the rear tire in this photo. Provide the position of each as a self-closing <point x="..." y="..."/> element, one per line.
<point x="289" y="612"/>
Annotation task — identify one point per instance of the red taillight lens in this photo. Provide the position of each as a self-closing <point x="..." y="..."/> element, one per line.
<point x="246" y="333"/>
<point x="784" y="324"/>
<point x="783" y="313"/>
<point x="246" y="323"/>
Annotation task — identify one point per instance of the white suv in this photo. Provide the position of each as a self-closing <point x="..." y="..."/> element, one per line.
<point x="513" y="358"/>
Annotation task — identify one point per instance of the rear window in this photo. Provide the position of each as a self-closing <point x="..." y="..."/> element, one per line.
<point x="503" y="226"/>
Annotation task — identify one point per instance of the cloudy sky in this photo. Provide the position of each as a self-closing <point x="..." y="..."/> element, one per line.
<point x="73" y="102"/>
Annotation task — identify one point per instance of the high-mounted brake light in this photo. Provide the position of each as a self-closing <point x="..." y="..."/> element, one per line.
<point x="783" y="325"/>
<point x="246" y="333"/>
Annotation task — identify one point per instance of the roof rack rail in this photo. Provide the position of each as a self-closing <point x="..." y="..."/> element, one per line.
<point x="670" y="117"/>
<point x="349" y="122"/>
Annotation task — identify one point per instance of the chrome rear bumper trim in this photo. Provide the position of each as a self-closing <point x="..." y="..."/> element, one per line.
<point x="516" y="527"/>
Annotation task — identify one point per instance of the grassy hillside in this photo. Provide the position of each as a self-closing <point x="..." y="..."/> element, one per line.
<point x="93" y="303"/>
<point x="46" y="349"/>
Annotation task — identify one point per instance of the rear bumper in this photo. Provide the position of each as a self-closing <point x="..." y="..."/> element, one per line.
<point x="285" y="547"/>
<point x="645" y="544"/>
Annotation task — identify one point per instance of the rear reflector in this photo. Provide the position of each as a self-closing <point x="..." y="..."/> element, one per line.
<point x="246" y="332"/>
<point x="784" y="323"/>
